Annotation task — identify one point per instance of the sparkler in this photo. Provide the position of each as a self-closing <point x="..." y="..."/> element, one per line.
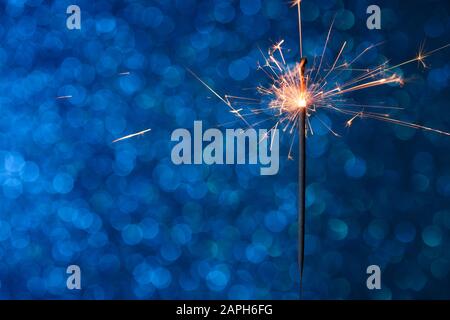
<point x="296" y="94"/>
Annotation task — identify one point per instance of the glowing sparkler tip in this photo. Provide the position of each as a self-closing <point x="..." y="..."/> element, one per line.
<point x="301" y="102"/>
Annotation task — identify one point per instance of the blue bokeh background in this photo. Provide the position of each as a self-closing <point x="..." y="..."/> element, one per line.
<point x="142" y="228"/>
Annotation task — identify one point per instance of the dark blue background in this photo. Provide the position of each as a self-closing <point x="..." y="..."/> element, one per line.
<point x="141" y="227"/>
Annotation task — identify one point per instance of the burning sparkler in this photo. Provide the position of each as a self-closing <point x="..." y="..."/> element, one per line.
<point x="295" y="94"/>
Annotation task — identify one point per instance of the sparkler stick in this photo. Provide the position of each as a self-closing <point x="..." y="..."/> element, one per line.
<point x="301" y="171"/>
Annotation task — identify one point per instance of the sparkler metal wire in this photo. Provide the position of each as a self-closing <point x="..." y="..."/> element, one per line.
<point x="301" y="175"/>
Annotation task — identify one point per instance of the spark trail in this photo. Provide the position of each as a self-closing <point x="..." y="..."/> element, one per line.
<point x="140" y="133"/>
